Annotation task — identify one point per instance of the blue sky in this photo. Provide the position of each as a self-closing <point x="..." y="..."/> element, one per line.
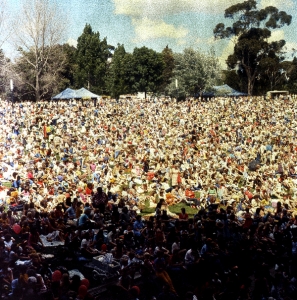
<point x="157" y="23"/>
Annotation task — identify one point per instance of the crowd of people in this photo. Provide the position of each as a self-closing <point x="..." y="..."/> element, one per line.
<point x="100" y="179"/>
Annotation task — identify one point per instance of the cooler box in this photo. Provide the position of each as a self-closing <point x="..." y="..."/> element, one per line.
<point x="110" y="266"/>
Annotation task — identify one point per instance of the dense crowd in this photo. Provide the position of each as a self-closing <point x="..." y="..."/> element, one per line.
<point x="100" y="178"/>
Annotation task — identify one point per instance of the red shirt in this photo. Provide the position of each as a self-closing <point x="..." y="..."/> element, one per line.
<point x="88" y="191"/>
<point x="183" y="216"/>
<point x="249" y="194"/>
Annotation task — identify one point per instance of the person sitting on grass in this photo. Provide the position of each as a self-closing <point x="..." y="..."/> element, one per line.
<point x="183" y="215"/>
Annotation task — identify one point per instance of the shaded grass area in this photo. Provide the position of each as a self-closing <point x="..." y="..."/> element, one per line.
<point x="173" y="208"/>
<point x="176" y="208"/>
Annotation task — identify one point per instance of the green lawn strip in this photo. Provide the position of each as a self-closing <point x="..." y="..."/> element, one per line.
<point x="7" y="184"/>
<point x="176" y="209"/>
<point x="173" y="208"/>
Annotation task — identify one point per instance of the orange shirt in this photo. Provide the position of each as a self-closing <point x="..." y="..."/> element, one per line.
<point x="189" y="193"/>
<point x="88" y="191"/>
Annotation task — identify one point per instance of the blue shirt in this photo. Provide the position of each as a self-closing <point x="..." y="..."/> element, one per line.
<point x="83" y="220"/>
<point x="137" y="226"/>
<point x="71" y="212"/>
<point x="294" y="248"/>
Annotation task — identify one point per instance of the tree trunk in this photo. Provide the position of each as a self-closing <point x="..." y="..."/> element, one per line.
<point x="37" y="89"/>
<point x="250" y="89"/>
<point x="250" y="78"/>
<point x="251" y="81"/>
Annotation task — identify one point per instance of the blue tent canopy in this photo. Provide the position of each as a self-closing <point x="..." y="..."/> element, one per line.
<point x="66" y="94"/>
<point x="76" y="94"/>
<point x="225" y="90"/>
<point x="84" y="93"/>
<point x="230" y="91"/>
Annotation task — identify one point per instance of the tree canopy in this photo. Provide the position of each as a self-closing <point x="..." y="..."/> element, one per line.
<point x="117" y="82"/>
<point x="251" y="28"/>
<point x="169" y="65"/>
<point x="92" y="60"/>
<point x="144" y="70"/>
<point x="194" y="73"/>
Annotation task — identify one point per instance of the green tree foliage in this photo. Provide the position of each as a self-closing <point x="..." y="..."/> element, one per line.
<point x="169" y="64"/>
<point x="191" y="72"/>
<point x="144" y="70"/>
<point x="194" y="73"/>
<point x="290" y="72"/>
<point x="212" y="69"/>
<point x="117" y="83"/>
<point x="272" y="72"/>
<point x="92" y="57"/>
<point x="237" y="82"/>
<point x="70" y="65"/>
<point x="251" y="29"/>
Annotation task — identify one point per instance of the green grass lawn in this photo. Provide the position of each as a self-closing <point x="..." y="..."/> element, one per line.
<point x="7" y="184"/>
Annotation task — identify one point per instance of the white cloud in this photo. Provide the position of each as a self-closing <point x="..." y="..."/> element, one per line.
<point x="211" y="41"/>
<point x="198" y="41"/>
<point x="72" y="42"/>
<point x="291" y="50"/>
<point x="289" y="46"/>
<point x="181" y="42"/>
<point x="277" y="35"/>
<point x="146" y="29"/>
<point x="148" y="16"/>
<point x="159" y="9"/>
